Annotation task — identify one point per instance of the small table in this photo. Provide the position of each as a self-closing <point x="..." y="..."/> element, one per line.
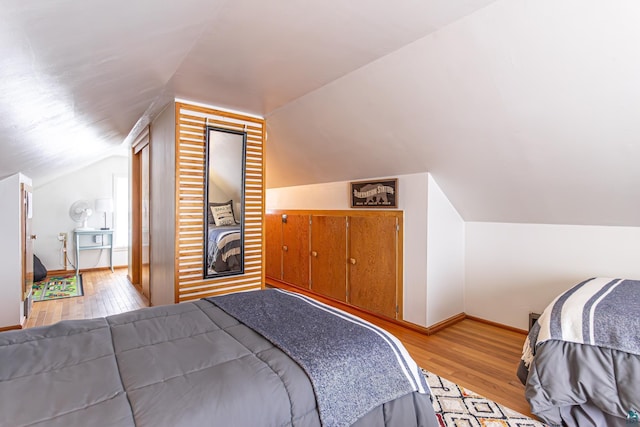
<point x="103" y="245"/>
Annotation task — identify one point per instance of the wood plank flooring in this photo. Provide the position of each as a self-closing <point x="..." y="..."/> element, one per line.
<point x="481" y="357"/>
<point x="475" y="355"/>
<point x="105" y="293"/>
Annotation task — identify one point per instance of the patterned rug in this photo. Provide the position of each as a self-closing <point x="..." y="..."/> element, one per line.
<point x="60" y="286"/>
<point x="456" y="406"/>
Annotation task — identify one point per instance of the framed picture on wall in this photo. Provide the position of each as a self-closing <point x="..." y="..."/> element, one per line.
<point x="381" y="193"/>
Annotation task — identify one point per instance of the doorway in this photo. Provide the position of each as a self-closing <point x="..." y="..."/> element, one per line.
<point x="140" y="207"/>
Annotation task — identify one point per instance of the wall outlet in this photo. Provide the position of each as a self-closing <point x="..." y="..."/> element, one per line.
<point x="62" y="237"/>
<point x="97" y="239"/>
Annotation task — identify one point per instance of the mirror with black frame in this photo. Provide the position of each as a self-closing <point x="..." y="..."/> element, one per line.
<point x="224" y="202"/>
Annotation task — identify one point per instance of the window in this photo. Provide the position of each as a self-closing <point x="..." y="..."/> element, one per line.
<point x="121" y="211"/>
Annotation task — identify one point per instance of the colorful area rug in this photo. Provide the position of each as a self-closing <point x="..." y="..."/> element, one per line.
<point x="61" y="286"/>
<point x="456" y="406"/>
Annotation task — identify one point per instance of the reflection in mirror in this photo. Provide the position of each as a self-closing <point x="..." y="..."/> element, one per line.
<point x="224" y="202"/>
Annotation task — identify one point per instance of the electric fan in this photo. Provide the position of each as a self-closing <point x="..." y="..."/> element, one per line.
<point x="80" y="211"/>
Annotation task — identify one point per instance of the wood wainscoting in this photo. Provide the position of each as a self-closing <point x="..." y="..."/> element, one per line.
<point x="191" y="123"/>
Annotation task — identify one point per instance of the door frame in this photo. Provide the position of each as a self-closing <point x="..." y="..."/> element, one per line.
<point x="26" y="195"/>
<point x="135" y="259"/>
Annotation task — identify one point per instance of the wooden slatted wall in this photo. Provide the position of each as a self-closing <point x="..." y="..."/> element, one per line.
<point x="191" y="122"/>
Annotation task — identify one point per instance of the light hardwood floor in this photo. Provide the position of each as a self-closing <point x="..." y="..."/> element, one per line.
<point x="478" y="356"/>
<point x="105" y="293"/>
<point x="475" y="355"/>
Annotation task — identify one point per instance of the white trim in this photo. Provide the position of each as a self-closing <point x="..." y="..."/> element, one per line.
<point x="227" y="110"/>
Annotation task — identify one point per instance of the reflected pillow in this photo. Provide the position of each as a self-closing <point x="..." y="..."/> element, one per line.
<point x="210" y="213"/>
<point x="221" y="213"/>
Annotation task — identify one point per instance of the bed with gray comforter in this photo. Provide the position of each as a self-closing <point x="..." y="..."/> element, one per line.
<point x="194" y="364"/>
<point x="581" y="360"/>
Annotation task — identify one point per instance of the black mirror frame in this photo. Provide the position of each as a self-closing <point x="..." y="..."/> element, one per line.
<point x="208" y="131"/>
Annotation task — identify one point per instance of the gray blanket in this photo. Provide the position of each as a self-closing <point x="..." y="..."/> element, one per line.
<point x="600" y="311"/>
<point x="336" y="349"/>
<point x="181" y="365"/>
<point x="578" y="385"/>
<point x="581" y="360"/>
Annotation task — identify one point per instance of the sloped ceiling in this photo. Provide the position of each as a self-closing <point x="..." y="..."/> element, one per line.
<point x="524" y="111"/>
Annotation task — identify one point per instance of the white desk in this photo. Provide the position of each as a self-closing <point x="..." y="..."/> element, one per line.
<point x="107" y="243"/>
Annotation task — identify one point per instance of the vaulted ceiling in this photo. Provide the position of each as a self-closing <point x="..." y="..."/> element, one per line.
<point x="523" y="110"/>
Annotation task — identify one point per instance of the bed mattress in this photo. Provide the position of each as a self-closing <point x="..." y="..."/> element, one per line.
<point x="189" y="364"/>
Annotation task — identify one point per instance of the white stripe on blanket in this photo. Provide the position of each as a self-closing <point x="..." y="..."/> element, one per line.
<point x="592" y="328"/>
<point x="570" y="306"/>
<point x="409" y="367"/>
<point x="571" y="317"/>
<point x="353" y="365"/>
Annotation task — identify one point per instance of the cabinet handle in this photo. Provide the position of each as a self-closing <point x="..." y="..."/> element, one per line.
<point x="284" y="248"/>
<point x="314" y="253"/>
<point x="352" y="261"/>
<point x="34" y="237"/>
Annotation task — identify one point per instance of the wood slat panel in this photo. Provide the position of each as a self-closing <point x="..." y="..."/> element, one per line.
<point x="191" y="123"/>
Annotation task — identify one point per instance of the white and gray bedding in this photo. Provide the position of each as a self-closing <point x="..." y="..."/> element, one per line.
<point x="189" y="364"/>
<point x="224" y="248"/>
<point x="581" y="360"/>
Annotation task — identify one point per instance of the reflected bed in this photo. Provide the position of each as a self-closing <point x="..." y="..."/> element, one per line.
<point x="224" y="248"/>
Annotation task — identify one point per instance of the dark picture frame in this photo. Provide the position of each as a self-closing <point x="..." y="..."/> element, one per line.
<point x="380" y="193"/>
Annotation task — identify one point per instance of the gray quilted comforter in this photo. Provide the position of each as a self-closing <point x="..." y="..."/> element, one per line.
<point x="189" y="364"/>
<point x="581" y="361"/>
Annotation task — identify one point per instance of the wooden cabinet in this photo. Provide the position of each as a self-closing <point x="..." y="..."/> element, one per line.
<point x="373" y="263"/>
<point x="295" y="250"/>
<point x="351" y="256"/>
<point x="329" y="255"/>
<point x="287" y="248"/>
<point x="273" y="246"/>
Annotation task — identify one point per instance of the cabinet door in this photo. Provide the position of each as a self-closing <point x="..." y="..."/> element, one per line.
<point x="273" y="246"/>
<point x="295" y="250"/>
<point x="328" y="256"/>
<point x="373" y="263"/>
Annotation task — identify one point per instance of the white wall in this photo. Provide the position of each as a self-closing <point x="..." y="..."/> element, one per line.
<point x="514" y="269"/>
<point x="412" y="198"/>
<point x="445" y="257"/>
<point x="330" y="196"/>
<point x="495" y="271"/>
<point x="162" y="209"/>
<point x="446" y="278"/>
<point x="521" y="122"/>
<point x="51" y="203"/>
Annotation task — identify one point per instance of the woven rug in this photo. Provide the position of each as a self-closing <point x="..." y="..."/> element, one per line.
<point x="457" y="406"/>
<point x="60" y="286"/>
